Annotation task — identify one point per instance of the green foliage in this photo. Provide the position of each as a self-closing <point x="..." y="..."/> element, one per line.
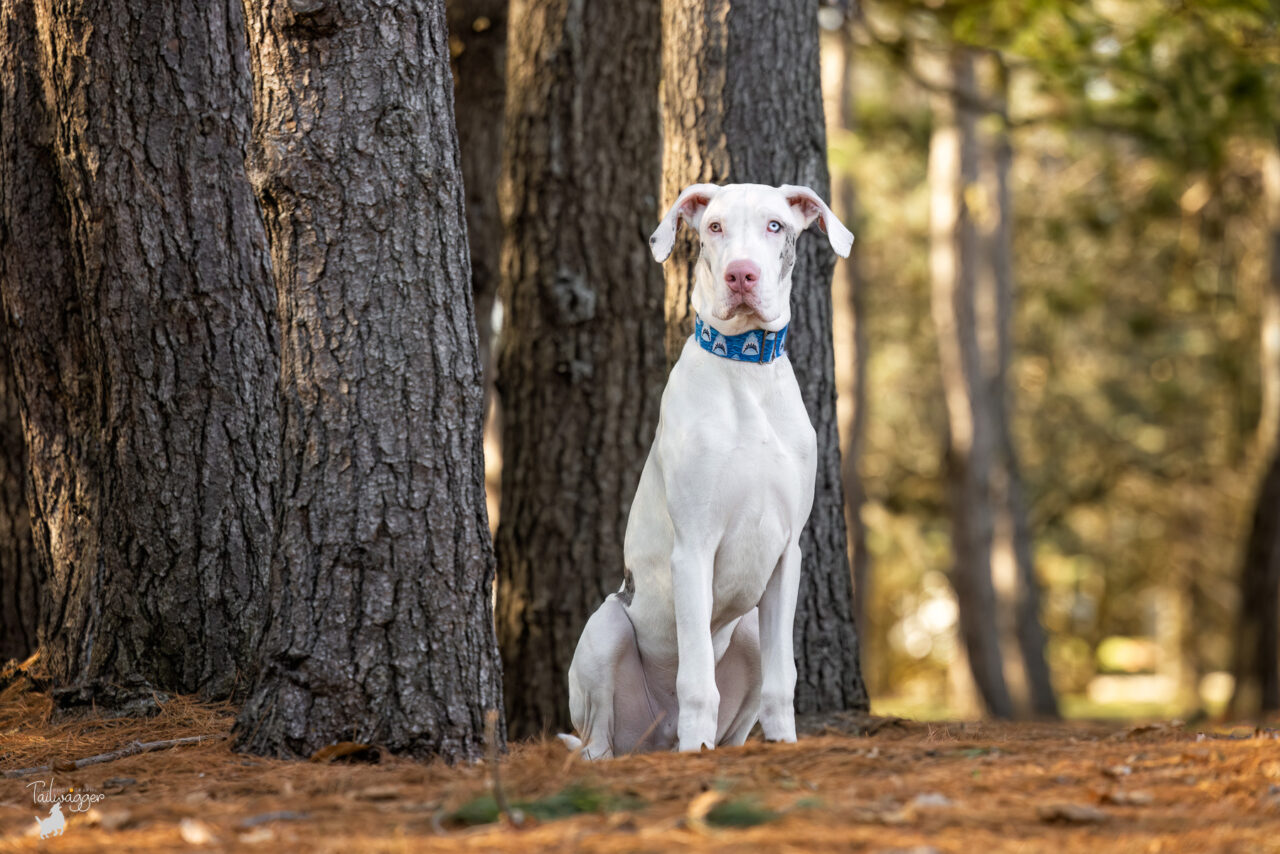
<point x="576" y="799"/>
<point x="739" y="812"/>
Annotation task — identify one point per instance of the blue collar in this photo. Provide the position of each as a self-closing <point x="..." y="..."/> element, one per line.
<point x="747" y="347"/>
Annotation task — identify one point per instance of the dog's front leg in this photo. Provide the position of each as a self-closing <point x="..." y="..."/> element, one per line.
<point x="777" y="658"/>
<point x="691" y="575"/>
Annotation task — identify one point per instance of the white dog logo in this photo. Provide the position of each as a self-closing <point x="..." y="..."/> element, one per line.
<point x="54" y="824"/>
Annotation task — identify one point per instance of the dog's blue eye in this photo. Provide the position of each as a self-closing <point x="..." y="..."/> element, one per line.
<point x="775" y="226"/>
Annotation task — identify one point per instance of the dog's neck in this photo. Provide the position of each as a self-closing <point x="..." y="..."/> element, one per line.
<point x="755" y="346"/>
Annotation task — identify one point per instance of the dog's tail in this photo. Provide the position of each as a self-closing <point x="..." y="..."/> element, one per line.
<point x="572" y="742"/>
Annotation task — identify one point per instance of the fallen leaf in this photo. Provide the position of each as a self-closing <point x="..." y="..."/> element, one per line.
<point x="1123" y="798"/>
<point x="1071" y="814"/>
<point x="263" y="818"/>
<point x="337" y="751"/>
<point x="1154" y="726"/>
<point x="257" y="836"/>
<point x="379" y="793"/>
<point x="621" y="823"/>
<point x="877" y="724"/>
<point x="926" y="800"/>
<point x="696" y="813"/>
<point x="110" y="819"/>
<point x="883" y="813"/>
<point x="195" y="832"/>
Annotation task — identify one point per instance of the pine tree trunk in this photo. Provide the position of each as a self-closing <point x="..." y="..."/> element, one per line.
<point x="1257" y="666"/>
<point x="1013" y="538"/>
<point x="581" y="364"/>
<point x="148" y="370"/>
<point x="478" y="40"/>
<point x="954" y="260"/>
<point x="44" y="332"/>
<point x="20" y="586"/>
<point x="382" y="627"/>
<point x="743" y="104"/>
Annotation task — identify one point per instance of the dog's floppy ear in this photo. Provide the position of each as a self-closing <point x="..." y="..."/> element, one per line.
<point x="689" y="207"/>
<point x="810" y="206"/>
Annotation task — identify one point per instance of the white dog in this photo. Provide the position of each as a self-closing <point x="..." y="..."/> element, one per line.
<point x="54" y="824"/>
<point x="696" y="646"/>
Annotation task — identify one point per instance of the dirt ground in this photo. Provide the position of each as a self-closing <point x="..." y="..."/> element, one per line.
<point x="852" y="784"/>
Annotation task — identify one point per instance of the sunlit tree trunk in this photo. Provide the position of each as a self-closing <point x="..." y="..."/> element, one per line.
<point x="845" y="195"/>
<point x="1012" y="554"/>
<point x="581" y="361"/>
<point x="742" y="101"/>
<point x="140" y="315"/>
<point x="972" y="437"/>
<point x="1257" y="665"/>
<point x="382" y="630"/>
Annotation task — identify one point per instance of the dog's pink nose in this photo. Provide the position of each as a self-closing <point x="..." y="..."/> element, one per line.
<point x="742" y="276"/>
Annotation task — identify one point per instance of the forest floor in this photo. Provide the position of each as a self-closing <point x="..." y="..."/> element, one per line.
<point x="852" y="784"/>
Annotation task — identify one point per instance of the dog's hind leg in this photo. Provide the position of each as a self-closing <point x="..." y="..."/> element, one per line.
<point x="609" y="702"/>
<point x="738" y="678"/>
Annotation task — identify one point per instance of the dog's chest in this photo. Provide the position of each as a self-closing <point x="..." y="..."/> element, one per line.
<point x="765" y="489"/>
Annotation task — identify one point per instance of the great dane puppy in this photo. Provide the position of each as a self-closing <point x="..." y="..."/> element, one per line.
<point x="696" y="645"/>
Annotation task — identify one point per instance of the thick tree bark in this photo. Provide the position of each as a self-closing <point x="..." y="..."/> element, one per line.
<point x="743" y="104"/>
<point x="54" y="398"/>
<point x="581" y="363"/>
<point x="382" y="627"/>
<point x="19" y="566"/>
<point x="147" y="372"/>
<point x="972" y="440"/>
<point x="1257" y="665"/>
<point x="1013" y="547"/>
<point x="478" y="44"/>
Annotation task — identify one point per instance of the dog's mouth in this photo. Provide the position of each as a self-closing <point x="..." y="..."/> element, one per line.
<point x="739" y="305"/>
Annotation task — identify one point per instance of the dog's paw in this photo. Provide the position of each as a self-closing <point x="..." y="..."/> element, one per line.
<point x="697" y="735"/>
<point x="782" y="728"/>
<point x="696" y="745"/>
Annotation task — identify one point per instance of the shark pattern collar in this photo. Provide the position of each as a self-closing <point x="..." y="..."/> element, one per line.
<point x="758" y="345"/>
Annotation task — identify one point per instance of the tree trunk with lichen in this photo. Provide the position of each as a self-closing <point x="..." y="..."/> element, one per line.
<point x="742" y="102"/>
<point x="140" y="317"/>
<point x="581" y="363"/>
<point x="382" y="629"/>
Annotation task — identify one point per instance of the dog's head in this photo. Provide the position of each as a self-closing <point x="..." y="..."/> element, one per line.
<point x="748" y="233"/>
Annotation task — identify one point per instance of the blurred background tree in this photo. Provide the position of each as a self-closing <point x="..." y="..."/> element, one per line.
<point x="1140" y="234"/>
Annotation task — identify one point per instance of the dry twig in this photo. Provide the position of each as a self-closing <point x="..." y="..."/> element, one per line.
<point x="131" y="749"/>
